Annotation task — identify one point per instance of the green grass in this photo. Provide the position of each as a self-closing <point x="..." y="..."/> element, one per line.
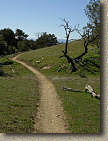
<point x="18" y="98"/>
<point x="83" y="112"/>
<point x="49" y="56"/>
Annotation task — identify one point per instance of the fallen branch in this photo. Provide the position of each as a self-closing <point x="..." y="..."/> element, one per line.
<point x="88" y="89"/>
<point x="71" y="90"/>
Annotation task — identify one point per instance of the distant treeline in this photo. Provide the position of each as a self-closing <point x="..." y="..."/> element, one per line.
<point x="11" y="42"/>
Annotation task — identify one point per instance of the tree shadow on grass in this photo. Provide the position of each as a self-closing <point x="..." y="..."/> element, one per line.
<point x="6" y="63"/>
<point x="2" y="73"/>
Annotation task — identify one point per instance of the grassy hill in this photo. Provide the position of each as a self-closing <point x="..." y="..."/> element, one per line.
<point x="17" y="98"/>
<point x="83" y="112"/>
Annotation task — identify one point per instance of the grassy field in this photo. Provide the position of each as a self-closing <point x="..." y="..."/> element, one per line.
<point x="83" y="112"/>
<point x="18" y="98"/>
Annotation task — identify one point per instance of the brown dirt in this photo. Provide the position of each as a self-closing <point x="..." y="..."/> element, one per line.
<point x="50" y="116"/>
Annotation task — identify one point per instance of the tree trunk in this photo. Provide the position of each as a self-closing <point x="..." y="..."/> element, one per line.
<point x="70" y="60"/>
<point x="66" y="46"/>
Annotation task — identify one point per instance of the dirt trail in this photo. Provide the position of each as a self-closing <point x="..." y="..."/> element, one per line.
<point x="50" y="116"/>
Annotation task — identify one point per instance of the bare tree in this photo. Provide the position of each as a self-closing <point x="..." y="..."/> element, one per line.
<point x="88" y="36"/>
<point x="68" y="30"/>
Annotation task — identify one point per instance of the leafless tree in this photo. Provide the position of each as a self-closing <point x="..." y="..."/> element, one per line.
<point x="68" y="30"/>
<point x="88" y="36"/>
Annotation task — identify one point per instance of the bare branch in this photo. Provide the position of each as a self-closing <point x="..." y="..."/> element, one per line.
<point x="88" y="36"/>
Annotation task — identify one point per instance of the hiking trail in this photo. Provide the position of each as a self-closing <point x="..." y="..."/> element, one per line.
<point x="50" y="116"/>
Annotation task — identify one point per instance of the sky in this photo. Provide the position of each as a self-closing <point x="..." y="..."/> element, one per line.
<point x="36" y="16"/>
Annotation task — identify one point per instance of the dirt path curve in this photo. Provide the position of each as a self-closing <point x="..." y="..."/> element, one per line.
<point x="50" y="116"/>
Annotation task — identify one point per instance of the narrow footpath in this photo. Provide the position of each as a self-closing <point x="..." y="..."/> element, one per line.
<point x="50" y="116"/>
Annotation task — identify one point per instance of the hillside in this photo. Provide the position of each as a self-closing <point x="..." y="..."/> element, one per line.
<point x="17" y="98"/>
<point x="50" y="57"/>
<point x="83" y="112"/>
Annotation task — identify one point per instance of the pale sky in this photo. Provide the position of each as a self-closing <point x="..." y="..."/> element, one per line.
<point x="33" y="16"/>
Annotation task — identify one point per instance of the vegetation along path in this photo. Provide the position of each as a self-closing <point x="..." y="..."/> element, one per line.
<point x="50" y="116"/>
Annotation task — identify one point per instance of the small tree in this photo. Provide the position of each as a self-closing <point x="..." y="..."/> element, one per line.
<point x="46" y="40"/>
<point x="20" y="35"/>
<point x="92" y="11"/>
<point x="8" y="35"/>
